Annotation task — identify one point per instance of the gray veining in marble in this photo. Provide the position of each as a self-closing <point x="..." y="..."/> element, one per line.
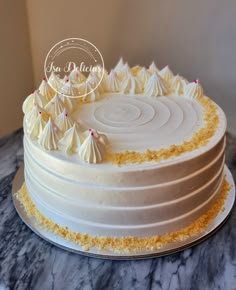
<point x="28" y="262"/>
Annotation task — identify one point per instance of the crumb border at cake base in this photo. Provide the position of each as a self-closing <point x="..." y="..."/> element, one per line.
<point x="125" y="244"/>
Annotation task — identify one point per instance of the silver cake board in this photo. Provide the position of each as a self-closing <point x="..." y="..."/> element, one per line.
<point x="170" y="248"/>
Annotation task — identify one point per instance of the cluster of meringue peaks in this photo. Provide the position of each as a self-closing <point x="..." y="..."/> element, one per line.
<point x="50" y="123"/>
<point x="150" y="82"/>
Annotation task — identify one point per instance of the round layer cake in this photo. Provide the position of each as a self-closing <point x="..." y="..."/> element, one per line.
<point x="159" y="169"/>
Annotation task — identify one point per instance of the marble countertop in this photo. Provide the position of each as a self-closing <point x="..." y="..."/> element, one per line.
<point x="28" y="262"/>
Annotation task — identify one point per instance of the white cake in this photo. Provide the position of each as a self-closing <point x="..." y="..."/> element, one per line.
<point x="141" y="158"/>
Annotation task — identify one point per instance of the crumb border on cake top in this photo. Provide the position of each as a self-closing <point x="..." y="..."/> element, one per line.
<point x="199" y="139"/>
<point x="124" y="244"/>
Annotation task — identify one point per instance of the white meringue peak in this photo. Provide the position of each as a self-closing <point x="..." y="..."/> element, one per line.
<point x="45" y="90"/>
<point x="31" y="117"/>
<point x="166" y="74"/>
<point x="177" y="85"/>
<point x="55" y="107"/>
<point x="69" y="89"/>
<point x="131" y="85"/>
<point x="90" y="95"/>
<point x="37" y="127"/>
<point x="152" y="68"/>
<point x="102" y="138"/>
<point x="69" y="103"/>
<point x="112" y="82"/>
<point x="71" y="141"/>
<point x="63" y="121"/>
<point x="99" y="71"/>
<point x="123" y="72"/>
<point x="49" y="137"/>
<point x="193" y="90"/>
<point x="34" y="98"/>
<point x="95" y="81"/>
<point x="55" y="82"/>
<point x="92" y="150"/>
<point x="143" y="75"/>
<point x="120" y="64"/>
<point x="77" y="76"/>
<point x="155" y="86"/>
<point x="65" y="79"/>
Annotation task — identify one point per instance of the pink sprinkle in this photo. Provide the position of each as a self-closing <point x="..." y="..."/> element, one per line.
<point x="66" y="114"/>
<point x="148" y="67"/>
<point x="32" y="92"/>
<point x="196" y="81"/>
<point x="90" y="129"/>
<point x="91" y="133"/>
<point x="44" y="79"/>
<point x="67" y="80"/>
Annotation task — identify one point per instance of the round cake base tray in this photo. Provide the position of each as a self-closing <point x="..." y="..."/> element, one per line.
<point x="105" y="254"/>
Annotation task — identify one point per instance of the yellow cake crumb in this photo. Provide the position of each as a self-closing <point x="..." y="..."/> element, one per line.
<point x="124" y="244"/>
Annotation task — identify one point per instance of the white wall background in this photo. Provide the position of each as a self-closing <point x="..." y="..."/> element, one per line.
<point x="16" y="80"/>
<point x="196" y="38"/>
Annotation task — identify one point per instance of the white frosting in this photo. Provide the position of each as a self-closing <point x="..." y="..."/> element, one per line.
<point x="131" y="85"/>
<point x="63" y="121"/>
<point x="153" y="68"/>
<point x="54" y="81"/>
<point x="90" y="95"/>
<point x="123" y="72"/>
<point x="155" y="86"/>
<point x="112" y="82"/>
<point x="94" y="80"/>
<point x="166" y="74"/>
<point x="177" y="85"/>
<point x="55" y="107"/>
<point x="69" y="103"/>
<point x="102" y="138"/>
<point x="68" y="89"/>
<point x="77" y="76"/>
<point x="49" y="136"/>
<point x="71" y="141"/>
<point x="99" y="71"/>
<point x="31" y="117"/>
<point x="34" y="98"/>
<point x="128" y="121"/>
<point x="143" y="75"/>
<point x="193" y="90"/>
<point x="92" y="150"/>
<point x="46" y="91"/>
<point x="37" y="127"/>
